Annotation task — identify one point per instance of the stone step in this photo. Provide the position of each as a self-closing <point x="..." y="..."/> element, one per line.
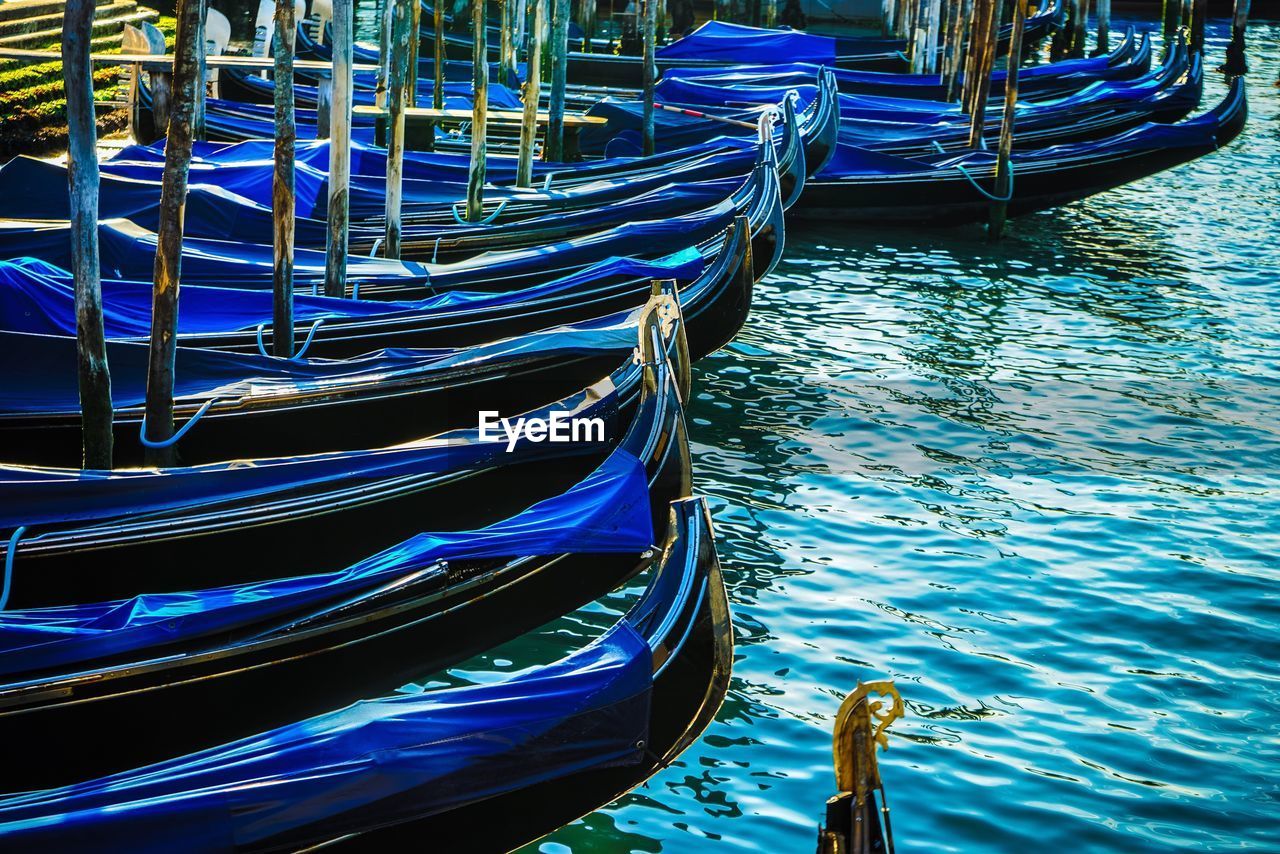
<point x="12" y="9"/>
<point x="102" y="27"/>
<point x="53" y="21"/>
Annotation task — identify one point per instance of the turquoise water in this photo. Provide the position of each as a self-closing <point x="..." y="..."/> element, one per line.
<point x="1038" y="485"/>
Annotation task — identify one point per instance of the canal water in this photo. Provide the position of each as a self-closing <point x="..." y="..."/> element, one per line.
<point x="1035" y="483"/>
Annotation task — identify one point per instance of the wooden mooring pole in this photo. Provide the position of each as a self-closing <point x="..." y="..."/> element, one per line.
<point x="532" y="91"/>
<point x="1079" y="28"/>
<point x="339" y="204"/>
<point x="82" y="180"/>
<point x="982" y="82"/>
<point x="506" y="43"/>
<point x="650" y="74"/>
<point x="1171" y="18"/>
<point x="1004" y="167"/>
<point x="1235" y="64"/>
<point x="437" y="58"/>
<point x="554" y="146"/>
<point x="1104" y="28"/>
<point x="415" y="29"/>
<point x="400" y="18"/>
<point x="479" y="113"/>
<point x="202" y="79"/>
<point x="1199" y="12"/>
<point x="386" y="9"/>
<point x="168" y="266"/>
<point x="283" y="206"/>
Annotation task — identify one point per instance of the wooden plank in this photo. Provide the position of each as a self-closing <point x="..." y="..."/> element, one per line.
<point x="493" y="117"/>
<point x="165" y="61"/>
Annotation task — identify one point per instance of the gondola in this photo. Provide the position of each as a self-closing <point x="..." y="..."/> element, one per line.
<point x="908" y="127"/>
<point x="63" y="525"/>
<point x="218" y="210"/>
<point x="253" y="406"/>
<point x="234" y="660"/>
<point x="574" y="735"/>
<point x="950" y="188"/>
<point x="717" y="44"/>
<point x="128" y="250"/>
<point x="1130" y="59"/>
<point x="715" y="292"/>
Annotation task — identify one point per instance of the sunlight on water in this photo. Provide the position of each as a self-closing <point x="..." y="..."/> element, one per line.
<point x="1037" y="485"/>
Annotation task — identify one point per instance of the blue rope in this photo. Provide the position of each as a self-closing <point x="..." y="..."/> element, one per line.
<point x="436" y="251"/>
<point x="937" y="146"/>
<point x="172" y="440"/>
<point x="8" y="564"/>
<point x="310" y="335"/>
<point x="490" y="218"/>
<point x="546" y="185"/>
<point x="991" y="196"/>
<point x="262" y="349"/>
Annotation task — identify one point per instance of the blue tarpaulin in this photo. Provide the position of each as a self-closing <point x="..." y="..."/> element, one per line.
<point x="608" y="512"/>
<point x="38" y="297"/>
<point x="724" y="42"/>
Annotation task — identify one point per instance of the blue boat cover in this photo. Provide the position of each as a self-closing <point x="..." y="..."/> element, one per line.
<point x="724" y="42"/>
<point x="374" y="762"/>
<point x="608" y="512"/>
<point x="128" y="251"/>
<point x="38" y="297"/>
<point x="44" y="376"/>
<point x="36" y="496"/>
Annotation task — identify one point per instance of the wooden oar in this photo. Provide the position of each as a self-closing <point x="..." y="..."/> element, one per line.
<point x="697" y="115"/>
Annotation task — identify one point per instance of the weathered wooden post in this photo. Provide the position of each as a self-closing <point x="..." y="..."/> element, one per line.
<point x="1235" y="64"/>
<point x="202" y="80"/>
<point x="438" y="59"/>
<point x="395" y="143"/>
<point x="168" y="267"/>
<point x="479" y="113"/>
<point x="1079" y="28"/>
<point x="978" y="30"/>
<point x="283" y="206"/>
<point x="1104" y="28"/>
<point x="339" y="206"/>
<point x="1199" y="12"/>
<point x="554" y="147"/>
<point x="649" y="72"/>
<point x="324" y="104"/>
<point x="1004" y="167"/>
<point x="415" y="29"/>
<point x="1171" y="19"/>
<point x="956" y="46"/>
<point x="531" y="93"/>
<point x="506" y="49"/>
<point x="386" y="11"/>
<point x="982" y="87"/>
<point x="82" y="181"/>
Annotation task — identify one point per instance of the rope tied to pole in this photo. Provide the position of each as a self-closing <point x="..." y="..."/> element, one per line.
<point x="460" y="220"/>
<point x="1006" y="197"/>
<point x="173" y="440"/>
<point x="8" y="564"/>
<point x="305" y="344"/>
